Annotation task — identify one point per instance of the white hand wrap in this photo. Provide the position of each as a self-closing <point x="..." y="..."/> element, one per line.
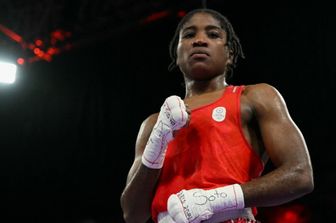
<point x="172" y="116"/>
<point x="197" y="205"/>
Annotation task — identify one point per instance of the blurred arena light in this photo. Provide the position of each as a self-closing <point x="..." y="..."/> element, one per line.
<point x="7" y="72"/>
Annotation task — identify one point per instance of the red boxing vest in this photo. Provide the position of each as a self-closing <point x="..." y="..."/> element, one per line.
<point x="211" y="152"/>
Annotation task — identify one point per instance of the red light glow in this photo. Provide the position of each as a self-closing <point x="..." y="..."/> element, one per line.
<point x="37" y="51"/>
<point x="181" y="13"/>
<point x="20" y="61"/>
<point x="38" y="42"/>
<point x="291" y="213"/>
<point x="11" y="34"/>
<point x="155" y="16"/>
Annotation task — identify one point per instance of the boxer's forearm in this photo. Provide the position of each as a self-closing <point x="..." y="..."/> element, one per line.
<point x="279" y="186"/>
<point x="137" y="197"/>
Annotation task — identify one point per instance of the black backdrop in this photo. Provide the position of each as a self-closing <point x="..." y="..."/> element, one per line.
<point x="67" y="128"/>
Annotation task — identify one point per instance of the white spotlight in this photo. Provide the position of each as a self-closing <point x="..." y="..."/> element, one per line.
<point x="7" y="73"/>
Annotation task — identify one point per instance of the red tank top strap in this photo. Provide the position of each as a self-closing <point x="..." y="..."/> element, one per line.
<point x="232" y="89"/>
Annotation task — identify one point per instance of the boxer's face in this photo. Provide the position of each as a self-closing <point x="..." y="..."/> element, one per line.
<point x="202" y="52"/>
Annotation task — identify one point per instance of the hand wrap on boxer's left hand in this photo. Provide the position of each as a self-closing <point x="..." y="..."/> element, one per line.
<point x="197" y="205"/>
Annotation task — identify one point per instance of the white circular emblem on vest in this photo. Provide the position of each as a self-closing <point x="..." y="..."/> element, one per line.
<point x="218" y="114"/>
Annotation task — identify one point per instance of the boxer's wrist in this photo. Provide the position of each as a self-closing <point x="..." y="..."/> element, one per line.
<point x="226" y="198"/>
<point x="155" y="150"/>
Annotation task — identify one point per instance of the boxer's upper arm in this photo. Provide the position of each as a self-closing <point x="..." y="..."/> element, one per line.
<point x="283" y="140"/>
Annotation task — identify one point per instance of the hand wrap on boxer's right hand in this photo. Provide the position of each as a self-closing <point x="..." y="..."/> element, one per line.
<point x="172" y="116"/>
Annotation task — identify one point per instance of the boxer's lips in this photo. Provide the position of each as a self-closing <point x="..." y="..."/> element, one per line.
<point x="199" y="54"/>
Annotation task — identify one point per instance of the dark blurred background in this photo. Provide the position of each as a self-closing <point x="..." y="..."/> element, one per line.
<point x="89" y="72"/>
